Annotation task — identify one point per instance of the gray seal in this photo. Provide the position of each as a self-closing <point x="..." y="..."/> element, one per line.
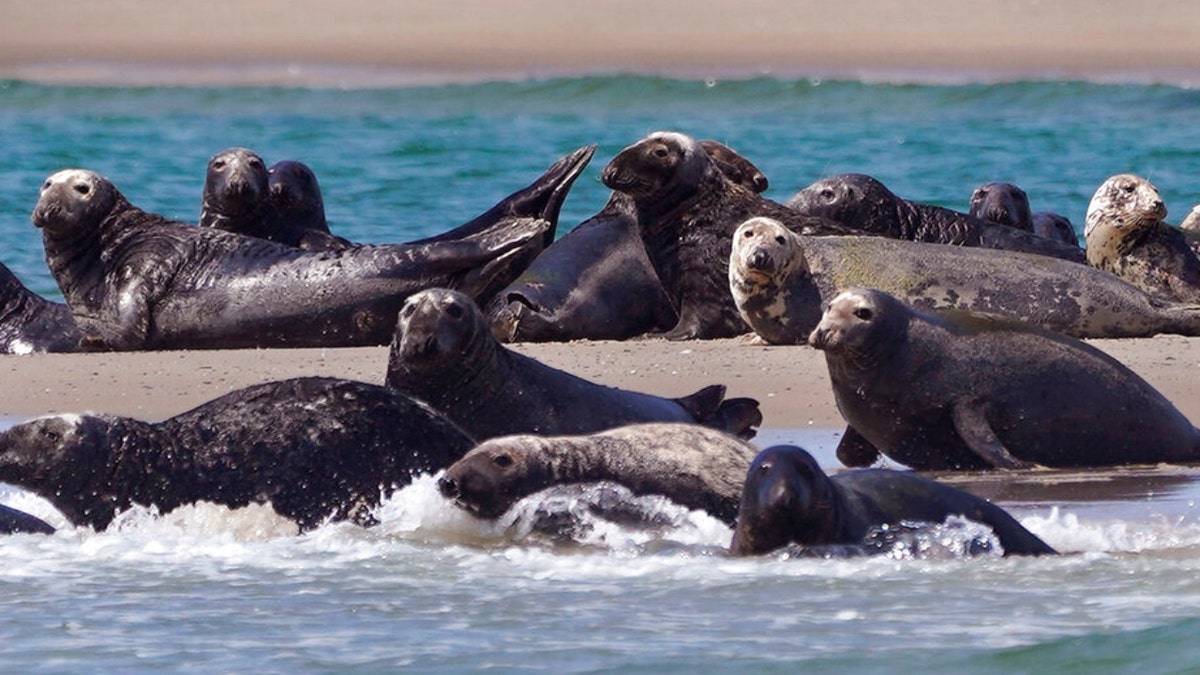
<point x="445" y="355"/>
<point x="961" y="391"/>
<point x="864" y="204"/>
<point x="788" y="499"/>
<point x="1126" y="235"/>
<point x="30" y="323"/>
<point x="780" y="282"/>
<point x="315" y="449"/>
<point x="236" y="194"/>
<point x="1006" y="204"/>
<point x="136" y="280"/>
<point x="694" y="466"/>
<point x="299" y="207"/>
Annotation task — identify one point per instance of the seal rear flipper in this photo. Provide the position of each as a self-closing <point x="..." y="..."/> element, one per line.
<point x="855" y="451"/>
<point x="972" y="426"/>
<point x="737" y="416"/>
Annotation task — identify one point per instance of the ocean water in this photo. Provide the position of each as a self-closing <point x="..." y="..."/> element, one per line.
<point x="204" y="589"/>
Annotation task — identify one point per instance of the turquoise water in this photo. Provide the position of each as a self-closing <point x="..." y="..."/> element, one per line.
<point x="432" y="590"/>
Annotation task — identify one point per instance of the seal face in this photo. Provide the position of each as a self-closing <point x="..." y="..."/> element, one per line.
<point x="963" y="391"/>
<point x="1003" y="204"/>
<point x="788" y="499"/>
<point x="236" y="194"/>
<point x="1126" y="235"/>
<point x="299" y="209"/>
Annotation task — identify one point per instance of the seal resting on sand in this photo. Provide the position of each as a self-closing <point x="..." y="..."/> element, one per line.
<point x="314" y="448"/>
<point x="862" y="203"/>
<point x="781" y="280"/>
<point x="1006" y="204"/>
<point x="788" y="499"/>
<point x="30" y="323"/>
<point x="695" y="466"/>
<point x="961" y="391"/>
<point x="1126" y="235"/>
<point x="136" y="280"/>
<point x="445" y="355"/>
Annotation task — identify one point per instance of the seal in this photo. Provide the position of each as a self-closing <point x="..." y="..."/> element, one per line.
<point x="136" y="280"/>
<point x="864" y="204"/>
<point x="13" y="521"/>
<point x="1007" y="204"/>
<point x="236" y="194"/>
<point x="692" y="465"/>
<point x="444" y="354"/>
<point x="687" y="209"/>
<point x="1126" y="235"/>
<point x="597" y="282"/>
<point x="332" y="450"/>
<point x="780" y="281"/>
<point x="30" y="323"/>
<point x="1191" y="222"/>
<point x="788" y="499"/>
<point x="299" y="207"/>
<point x="961" y="391"/>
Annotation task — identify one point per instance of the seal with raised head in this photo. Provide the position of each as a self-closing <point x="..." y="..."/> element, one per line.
<point x="597" y="282"/>
<point x="781" y="281"/>
<point x="445" y="355"/>
<point x="1126" y="235"/>
<point x="687" y="209"/>
<point x="1006" y="204"/>
<point x="299" y="207"/>
<point x="788" y="499"/>
<point x="692" y="465"/>
<point x="236" y="194"/>
<point x="314" y="448"/>
<point x="136" y="280"/>
<point x="30" y="323"/>
<point x="864" y="204"/>
<point x="962" y="391"/>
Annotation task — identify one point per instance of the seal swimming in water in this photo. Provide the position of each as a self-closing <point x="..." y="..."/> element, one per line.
<point x="30" y="323"/>
<point x="1126" y="235"/>
<point x="136" y="280"/>
<point x="788" y="499"/>
<point x="1006" y="204"/>
<point x="314" y="448"/>
<point x="687" y="210"/>
<point x="445" y="355"/>
<point x="698" y="467"/>
<point x="299" y="207"/>
<point x="962" y="391"/>
<point x="13" y="521"/>
<point x="597" y="282"/>
<point x="781" y="280"/>
<point x="862" y="203"/>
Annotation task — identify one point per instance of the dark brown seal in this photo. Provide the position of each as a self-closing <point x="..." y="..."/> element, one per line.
<point x="960" y="391"/>
<point x="299" y="207"/>
<point x="788" y="499"/>
<point x="1006" y="204"/>
<point x="445" y="355"/>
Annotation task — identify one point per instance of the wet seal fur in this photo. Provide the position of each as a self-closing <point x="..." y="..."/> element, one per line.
<point x="695" y="466"/>
<point x="781" y="280"/>
<point x="30" y="323"/>
<point x="13" y="521"/>
<point x="862" y="203"/>
<point x="788" y="499"/>
<point x="314" y="448"/>
<point x="299" y="207"/>
<point x="1006" y="204"/>
<point x="136" y="280"/>
<point x="1126" y="235"/>
<point x="687" y="210"/>
<point x="960" y="391"/>
<point x="445" y="355"/>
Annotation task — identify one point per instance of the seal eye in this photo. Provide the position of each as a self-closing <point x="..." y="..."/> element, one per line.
<point x="218" y="164"/>
<point x="407" y="310"/>
<point x="661" y="152"/>
<point x="51" y="436"/>
<point x="864" y="313"/>
<point x="256" y="163"/>
<point x="502" y="461"/>
<point x="780" y="240"/>
<point x="83" y="188"/>
<point x="455" y="311"/>
<point x="46" y="185"/>
<point x="1127" y="188"/>
<point x="827" y="194"/>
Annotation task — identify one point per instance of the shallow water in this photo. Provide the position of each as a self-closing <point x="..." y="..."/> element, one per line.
<point x="431" y="589"/>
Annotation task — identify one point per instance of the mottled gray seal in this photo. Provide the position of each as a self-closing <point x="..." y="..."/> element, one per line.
<point x="1126" y="235"/>
<point x="961" y="391"/>
<point x="864" y="204"/>
<point x="687" y="209"/>
<point x="695" y="466"/>
<point x="314" y="448"/>
<point x="135" y="280"/>
<point x="1006" y="204"/>
<point x="299" y="206"/>
<point x="30" y="323"/>
<point x="445" y="355"/>
<point x="781" y="280"/>
<point x="788" y="499"/>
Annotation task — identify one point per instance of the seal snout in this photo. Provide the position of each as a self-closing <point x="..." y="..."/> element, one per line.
<point x="448" y="486"/>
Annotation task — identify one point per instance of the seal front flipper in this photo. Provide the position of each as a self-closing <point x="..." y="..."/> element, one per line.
<point x="976" y="432"/>
<point x="738" y="416"/>
<point x="855" y="451"/>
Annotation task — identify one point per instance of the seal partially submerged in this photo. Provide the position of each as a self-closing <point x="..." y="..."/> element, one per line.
<point x="445" y="355"/>
<point x="788" y="499"/>
<point x="780" y="281"/>
<point x="30" y="323"/>
<point x="299" y="207"/>
<point x="960" y="391"/>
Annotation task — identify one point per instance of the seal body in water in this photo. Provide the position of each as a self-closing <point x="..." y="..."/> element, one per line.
<point x="1126" y="235"/>
<point x="698" y="467"/>
<point x="445" y="355"/>
<point x="788" y="499"/>
<point x="862" y="203"/>
<point x="314" y="448"/>
<point x="136" y="280"/>
<point x="1006" y="204"/>
<point x="781" y="280"/>
<point x="30" y="323"/>
<point x="687" y="210"/>
<point x="960" y="391"/>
